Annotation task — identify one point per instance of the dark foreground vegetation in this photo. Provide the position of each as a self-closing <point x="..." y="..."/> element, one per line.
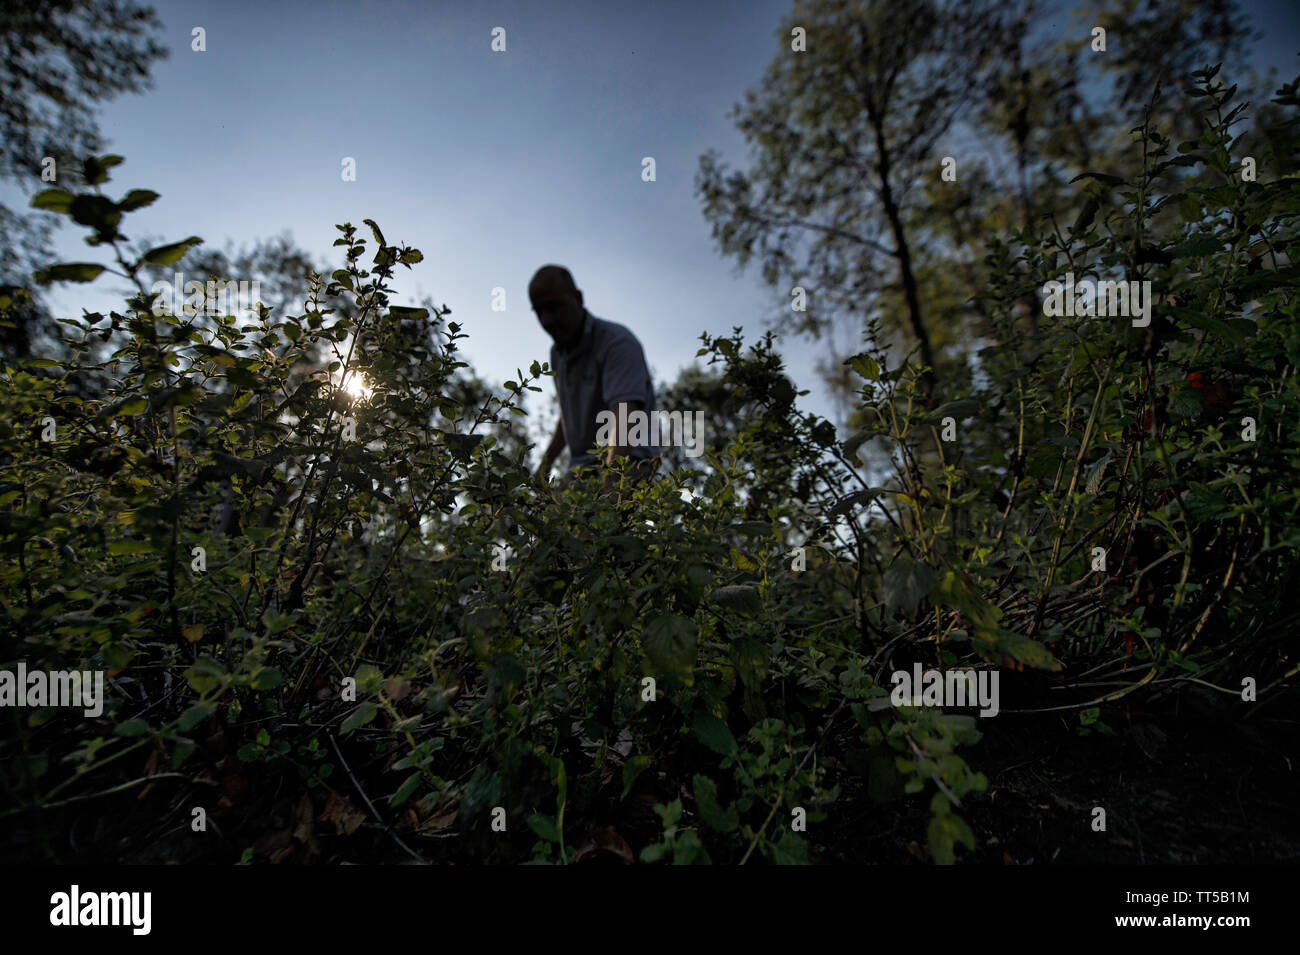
<point x="395" y="644"/>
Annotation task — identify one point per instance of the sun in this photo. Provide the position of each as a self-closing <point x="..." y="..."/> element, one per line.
<point x="356" y="386"/>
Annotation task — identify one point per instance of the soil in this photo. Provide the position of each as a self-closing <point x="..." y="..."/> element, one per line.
<point x="1185" y="781"/>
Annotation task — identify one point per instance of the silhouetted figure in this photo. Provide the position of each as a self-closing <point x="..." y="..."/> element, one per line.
<point x="599" y="366"/>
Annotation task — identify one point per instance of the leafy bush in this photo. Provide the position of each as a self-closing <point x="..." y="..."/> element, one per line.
<point x="394" y="640"/>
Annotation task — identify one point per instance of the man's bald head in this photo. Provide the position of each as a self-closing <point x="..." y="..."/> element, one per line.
<point x="556" y="276"/>
<point x="557" y="300"/>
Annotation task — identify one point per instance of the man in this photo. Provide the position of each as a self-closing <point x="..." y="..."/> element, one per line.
<point x="599" y="366"/>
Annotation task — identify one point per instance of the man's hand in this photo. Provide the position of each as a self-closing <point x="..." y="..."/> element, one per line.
<point x="618" y="445"/>
<point x="552" y="452"/>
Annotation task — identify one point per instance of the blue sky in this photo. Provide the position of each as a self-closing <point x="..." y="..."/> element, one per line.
<point x="491" y="163"/>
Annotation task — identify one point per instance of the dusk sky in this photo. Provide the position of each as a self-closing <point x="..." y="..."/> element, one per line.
<point x="491" y="163"/>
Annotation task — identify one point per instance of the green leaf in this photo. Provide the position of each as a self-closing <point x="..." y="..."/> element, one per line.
<point x="1102" y="177"/>
<point x="170" y="254"/>
<point x="1205" y="504"/>
<point x="69" y="272"/>
<point x="379" y="236"/>
<point x="362" y="715"/>
<point x="1208" y="324"/>
<point x="654" y="852"/>
<point x="545" y="827"/>
<point x="824" y="434"/>
<point x="856" y="499"/>
<point x="790" y="850"/>
<point x="632" y="768"/>
<point x="706" y="800"/>
<point x="957" y="410"/>
<point x="742" y="598"/>
<point x="195" y="715"/>
<point x="945" y="831"/>
<point x="137" y="199"/>
<point x="750" y="658"/>
<point x="250" y="467"/>
<point x="983" y="614"/>
<point x="688" y="849"/>
<point x="11" y="295"/>
<point x="906" y="584"/>
<point x="1185" y="403"/>
<point x="866" y="366"/>
<point x="505" y="675"/>
<point x="95" y="211"/>
<point x="670" y="643"/>
<point x="267" y="678"/>
<point x="699" y="575"/>
<point x="133" y="727"/>
<point x="1196" y="247"/>
<point x="1026" y="650"/>
<point x="129" y="407"/>
<point x="95" y="168"/>
<point x="483" y="618"/>
<point x="405" y="790"/>
<point x="1189" y="665"/>
<point x="854" y="442"/>
<point x="205" y="675"/>
<point x="55" y="200"/>
<point x="714" y="734"/>
<point x="462" y="444"/>
<point x="369" y="678"/>
<point x="182" y="749"/>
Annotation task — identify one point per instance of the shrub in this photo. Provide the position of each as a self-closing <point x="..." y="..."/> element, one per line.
<point x="357" y="613"/>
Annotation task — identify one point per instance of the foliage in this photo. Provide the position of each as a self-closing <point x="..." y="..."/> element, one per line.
<point x="394" y="640"/>
<point x="61" y="58"/>
<point x="846" y="196"/>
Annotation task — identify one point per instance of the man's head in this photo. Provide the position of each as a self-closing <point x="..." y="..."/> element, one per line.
<point x="558" y="304"/>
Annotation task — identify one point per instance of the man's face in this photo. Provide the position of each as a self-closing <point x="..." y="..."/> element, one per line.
<point x="559" y="309"/>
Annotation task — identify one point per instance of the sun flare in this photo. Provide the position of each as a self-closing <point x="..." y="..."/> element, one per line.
<point x="356" y="386"/>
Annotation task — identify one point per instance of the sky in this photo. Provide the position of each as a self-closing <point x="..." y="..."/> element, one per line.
<point x="491" y="163"/>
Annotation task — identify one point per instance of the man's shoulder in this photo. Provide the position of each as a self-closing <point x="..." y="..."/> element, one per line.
<point x="609" y="333"/>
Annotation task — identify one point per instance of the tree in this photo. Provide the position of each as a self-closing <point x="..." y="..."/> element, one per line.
<point x="279" y="266"/>
<point x="1161" y="43"/>
<point x="60" y="58"/>
<point x="845" y="133"/>
<point x="847" y="198"/>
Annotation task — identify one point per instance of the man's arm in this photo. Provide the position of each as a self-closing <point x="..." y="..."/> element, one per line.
<point x="553" y="449"/>
<point x="618" y="445"/>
